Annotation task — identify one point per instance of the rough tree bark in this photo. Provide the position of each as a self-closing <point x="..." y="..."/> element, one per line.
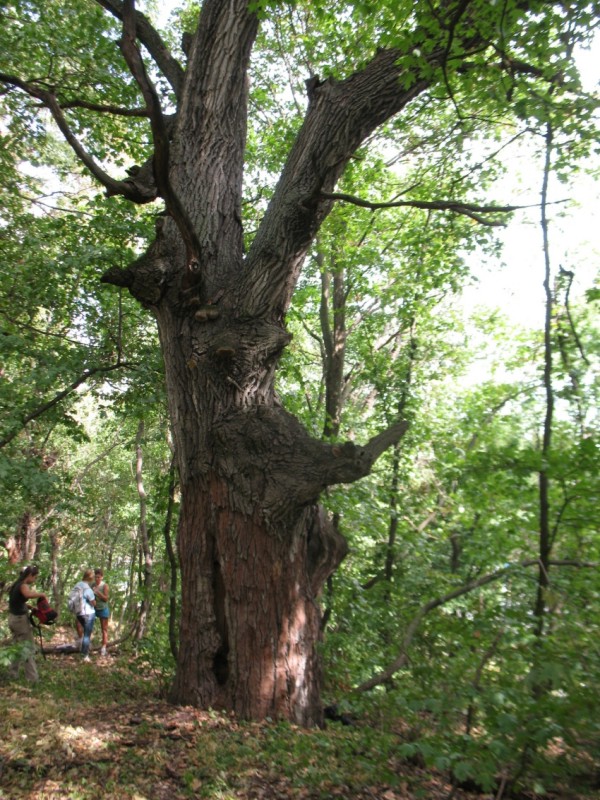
<point x="254" y="546"/>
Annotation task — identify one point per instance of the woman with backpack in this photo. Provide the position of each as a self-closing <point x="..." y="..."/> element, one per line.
<point x="18" y="622"/>
<point x="82" y="602"/>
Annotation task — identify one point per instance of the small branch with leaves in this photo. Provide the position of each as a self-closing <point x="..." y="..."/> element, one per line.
<point x="402" y="658"/>
<point x="85" y="375"/>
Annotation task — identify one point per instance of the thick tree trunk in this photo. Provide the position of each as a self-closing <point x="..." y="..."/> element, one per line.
<point x="255" y="549"/>
<point x="254" y="546"/>
<point x="250" y="619"/>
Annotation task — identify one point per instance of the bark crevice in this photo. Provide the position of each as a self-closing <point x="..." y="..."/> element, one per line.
<point x="220" y="659"/>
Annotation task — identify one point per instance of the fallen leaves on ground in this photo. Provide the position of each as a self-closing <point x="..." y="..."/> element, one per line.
<point x="90" y="730"/>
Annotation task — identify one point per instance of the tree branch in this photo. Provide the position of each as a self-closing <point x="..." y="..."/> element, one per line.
<point x="570" y="278"/>
<point x="76" y="482"/>
<point x="50" y="101"/>
<point x="149" y="37"/>
<point x="102" y="109"/>
<point x="468" y="209"/>
<point x="113" y="186"/>
<point x="339" y="118"/>
<point x="380" y="443"/>
<point x="348" y="462"/>
<point x="160" y="134"/>
<point x="402" y="657"/>
<point x="88" y="373"/>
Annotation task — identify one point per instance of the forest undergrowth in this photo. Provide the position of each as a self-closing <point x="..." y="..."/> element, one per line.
<point x="103" y="728"/>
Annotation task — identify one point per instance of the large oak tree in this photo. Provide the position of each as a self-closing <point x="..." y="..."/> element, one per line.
<point x="254" y="545"/>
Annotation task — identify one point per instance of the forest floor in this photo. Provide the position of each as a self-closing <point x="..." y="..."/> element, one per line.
<point x="100" y="730"/>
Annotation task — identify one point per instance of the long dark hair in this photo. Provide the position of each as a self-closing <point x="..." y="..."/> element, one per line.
<point x="25" y="572"/>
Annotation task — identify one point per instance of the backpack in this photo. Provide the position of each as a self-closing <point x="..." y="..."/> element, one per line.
<point x="75" y="602"/>
<point x="44" y="613"/>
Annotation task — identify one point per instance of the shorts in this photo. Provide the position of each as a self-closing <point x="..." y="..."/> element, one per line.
<point x="103" y="613"/>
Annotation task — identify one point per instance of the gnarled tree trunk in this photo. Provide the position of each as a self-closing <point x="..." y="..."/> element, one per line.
<point x="255" y="548"/>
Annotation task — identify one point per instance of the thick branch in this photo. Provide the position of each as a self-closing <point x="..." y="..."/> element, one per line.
<point x="159" y="133"/>
<point x="340" y="116"/>
<point x="214" y="106"/>
<point x="343" y="463"/>
<point x="380" y="443"/>
<point x="148" y="36"/>
<point x="348" y="462"/>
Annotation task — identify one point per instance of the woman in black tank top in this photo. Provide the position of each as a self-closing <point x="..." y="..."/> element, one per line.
<point x="18" y="622"/>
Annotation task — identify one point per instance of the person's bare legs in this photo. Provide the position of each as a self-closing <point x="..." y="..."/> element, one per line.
<point x="104" y="626"/>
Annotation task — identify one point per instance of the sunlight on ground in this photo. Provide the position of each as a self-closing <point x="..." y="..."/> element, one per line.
<point x="77" y="741"/>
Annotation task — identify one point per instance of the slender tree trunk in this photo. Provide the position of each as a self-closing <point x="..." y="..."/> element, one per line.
<point x="390" y="556"/>
<point x="545" y="539"/>
<point x="22" y="546"/>
<point x="144" y="543"/>
<point x="333" y="327"/>
<point x="129" y="606"/>
<point x="55" y="572"/>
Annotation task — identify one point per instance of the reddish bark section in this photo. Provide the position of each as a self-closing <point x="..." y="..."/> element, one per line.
<point x="254" y="652"/>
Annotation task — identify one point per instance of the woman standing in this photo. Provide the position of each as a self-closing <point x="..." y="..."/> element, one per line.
<point x="18" y="622"/>
<point x="102" y="610"/>
<point x="86" y="613"/>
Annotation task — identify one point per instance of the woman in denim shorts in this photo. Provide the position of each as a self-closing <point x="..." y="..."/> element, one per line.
<point x="102" y="610"/>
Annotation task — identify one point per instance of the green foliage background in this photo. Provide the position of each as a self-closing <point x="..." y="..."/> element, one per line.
<point x="80" y="368"/>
